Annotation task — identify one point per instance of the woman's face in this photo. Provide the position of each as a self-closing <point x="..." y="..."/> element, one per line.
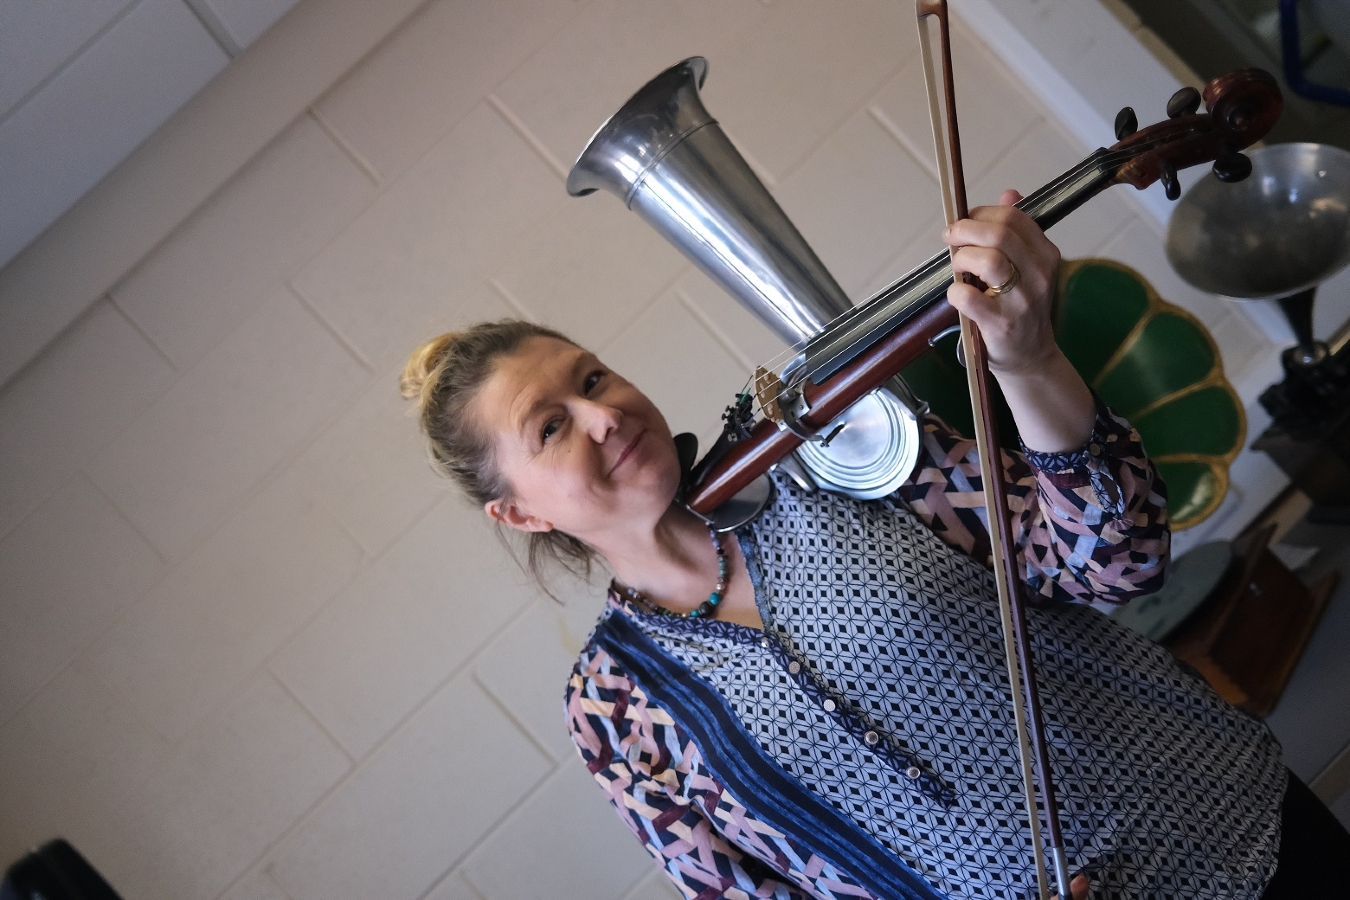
<point x="581" y="449"/>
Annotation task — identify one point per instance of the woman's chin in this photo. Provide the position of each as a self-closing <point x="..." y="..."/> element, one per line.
<point x="660" y="470"/>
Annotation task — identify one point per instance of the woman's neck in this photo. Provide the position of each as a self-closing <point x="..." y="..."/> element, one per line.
<point x="673" y="564"/>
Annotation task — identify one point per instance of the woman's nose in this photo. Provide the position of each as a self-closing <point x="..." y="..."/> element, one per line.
<point x="600" y="419"/>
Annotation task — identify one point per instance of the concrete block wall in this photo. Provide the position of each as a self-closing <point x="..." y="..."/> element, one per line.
<point x="83" y="82"/>
<point x="250" y="647"/>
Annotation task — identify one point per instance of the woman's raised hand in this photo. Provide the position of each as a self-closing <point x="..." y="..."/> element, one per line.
<point x="1003" y="247"/>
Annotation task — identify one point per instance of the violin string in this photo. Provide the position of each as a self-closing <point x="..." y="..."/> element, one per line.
<point x="1050" y="192"/>
<point x="1099" y="160"/>
<point x="1040" y="195"/>
<point x="1036" y="196"/>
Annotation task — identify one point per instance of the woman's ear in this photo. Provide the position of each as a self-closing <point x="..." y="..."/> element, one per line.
<point x="512" y="516"/>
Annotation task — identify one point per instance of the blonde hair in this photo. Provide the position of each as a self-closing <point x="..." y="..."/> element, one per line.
<point x="443" y="377"/>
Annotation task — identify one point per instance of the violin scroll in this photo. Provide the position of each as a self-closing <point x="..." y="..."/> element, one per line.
<point x="1241" y="108"/>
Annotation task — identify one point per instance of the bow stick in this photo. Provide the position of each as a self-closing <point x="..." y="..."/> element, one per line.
<point x="1017" y="646"/>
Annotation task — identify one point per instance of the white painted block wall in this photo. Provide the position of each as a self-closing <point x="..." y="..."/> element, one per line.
<point x="84" y="82"/>
<point x="249" y="646"/>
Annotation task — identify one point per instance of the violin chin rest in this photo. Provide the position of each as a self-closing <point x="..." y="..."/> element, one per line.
<point x="747" y="504"/>
<point x="686" y="447"/>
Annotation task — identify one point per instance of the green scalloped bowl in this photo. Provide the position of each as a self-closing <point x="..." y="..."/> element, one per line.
<point x="1150" y="360"/>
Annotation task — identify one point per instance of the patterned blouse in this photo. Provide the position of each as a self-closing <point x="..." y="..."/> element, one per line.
<point x="863" y="745"/>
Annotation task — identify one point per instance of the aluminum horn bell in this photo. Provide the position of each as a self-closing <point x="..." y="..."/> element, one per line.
<point x="670" y="162"/>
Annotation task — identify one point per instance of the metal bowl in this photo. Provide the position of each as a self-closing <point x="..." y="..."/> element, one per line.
<point x="1284" y="229"/>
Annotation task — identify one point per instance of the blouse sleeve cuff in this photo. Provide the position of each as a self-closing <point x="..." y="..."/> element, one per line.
<point x="1111" y="438"/>
<point x="1095" y="463"/>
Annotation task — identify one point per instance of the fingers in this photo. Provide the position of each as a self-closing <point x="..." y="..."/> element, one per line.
<point x="989" y="265"/>
<point x="1005" y="215"/>
<point x="989" y="225"/>
<point x="996" y="244"/>
<point x="996" y="238"/>
<point x="989" y="251"/>
<point x="1034" y="272"/>
<point x="988" y="313"/>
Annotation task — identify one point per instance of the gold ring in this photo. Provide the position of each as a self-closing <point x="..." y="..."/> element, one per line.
<point x="1009" y="284"/>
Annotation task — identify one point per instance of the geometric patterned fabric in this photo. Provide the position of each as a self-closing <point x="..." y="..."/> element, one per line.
<point x="879" y="683"/>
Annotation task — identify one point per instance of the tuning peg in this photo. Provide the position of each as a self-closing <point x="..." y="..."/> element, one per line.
<point x="1127" y="123"/>
<point x="1171" y="187"/>
<point x="738" y="417"/>
<point x="1231" y="166"/>
<point x="1183" y="102"/>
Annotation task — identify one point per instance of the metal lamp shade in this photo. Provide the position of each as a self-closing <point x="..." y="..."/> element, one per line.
<point x="1285" y="229"/>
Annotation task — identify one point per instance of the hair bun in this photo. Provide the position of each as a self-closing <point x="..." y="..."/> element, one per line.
<point x="418" y="374"/>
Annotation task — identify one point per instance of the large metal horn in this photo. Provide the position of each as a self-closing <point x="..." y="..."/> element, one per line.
<point x="670" y="162"/>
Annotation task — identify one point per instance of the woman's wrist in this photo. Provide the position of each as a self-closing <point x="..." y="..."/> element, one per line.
<point x="1047" y="360"/>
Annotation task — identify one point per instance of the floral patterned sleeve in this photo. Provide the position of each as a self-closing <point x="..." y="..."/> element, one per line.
<point x="653" y="775"/>
<point x="1089" y="525"/>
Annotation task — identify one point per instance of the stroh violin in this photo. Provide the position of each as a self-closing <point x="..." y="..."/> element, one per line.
<point x="830" y="411"/>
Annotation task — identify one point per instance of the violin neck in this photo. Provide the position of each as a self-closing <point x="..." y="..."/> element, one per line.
<point x="855" y="332"/>
<point x="1053" y="202"/>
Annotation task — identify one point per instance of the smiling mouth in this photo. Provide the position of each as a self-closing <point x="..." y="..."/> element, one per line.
<point x="627" y="451"/>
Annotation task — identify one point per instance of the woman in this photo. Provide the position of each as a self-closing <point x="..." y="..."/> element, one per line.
<point x="817" y="707"/>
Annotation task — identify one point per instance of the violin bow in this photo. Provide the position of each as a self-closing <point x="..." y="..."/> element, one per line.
<point x="1016" y="643"/>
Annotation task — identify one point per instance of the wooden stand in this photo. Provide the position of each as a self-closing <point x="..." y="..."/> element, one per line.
<point x="1248" y="635"/>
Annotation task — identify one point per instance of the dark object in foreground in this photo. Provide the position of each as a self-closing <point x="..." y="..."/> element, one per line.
<point x="55" y="871"/>
<point x="1310" y="437"/>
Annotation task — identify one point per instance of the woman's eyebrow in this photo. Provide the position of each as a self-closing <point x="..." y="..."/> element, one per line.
<point x="538" y="403"/>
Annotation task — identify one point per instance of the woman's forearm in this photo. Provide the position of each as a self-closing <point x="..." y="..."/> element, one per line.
<point x="1051" y="404"/>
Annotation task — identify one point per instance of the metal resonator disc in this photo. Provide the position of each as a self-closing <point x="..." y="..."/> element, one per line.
<point x="873" y="454"/>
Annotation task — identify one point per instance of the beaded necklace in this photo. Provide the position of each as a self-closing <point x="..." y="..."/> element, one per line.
<point x="705" y="608"/>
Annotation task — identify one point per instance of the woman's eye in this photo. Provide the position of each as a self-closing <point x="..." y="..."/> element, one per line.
<point x="550" y="428"/>
<point x="592" y="380"/>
